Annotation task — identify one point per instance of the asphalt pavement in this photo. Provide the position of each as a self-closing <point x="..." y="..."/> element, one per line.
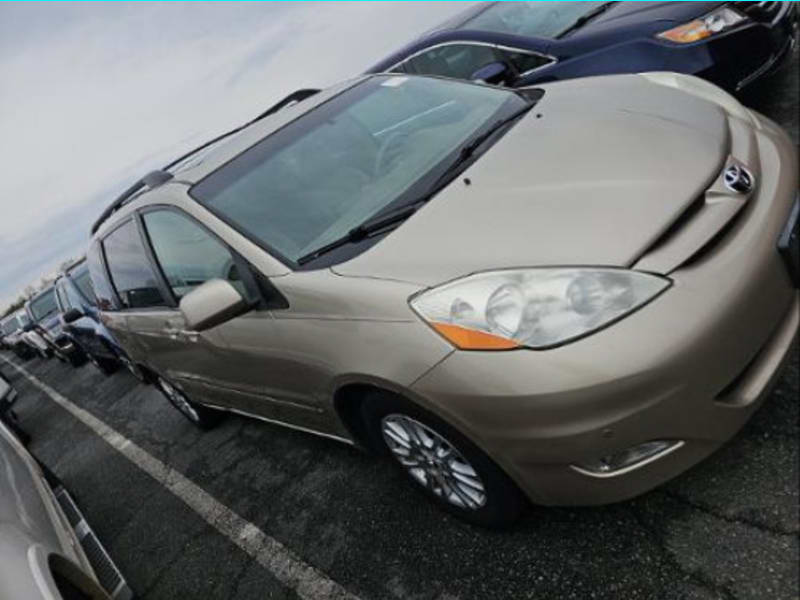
<point x="326" y="514"/>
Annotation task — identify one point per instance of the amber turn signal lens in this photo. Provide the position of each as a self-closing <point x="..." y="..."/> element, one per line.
<point x="685" y="34"/>
<point x="471" y="339"/>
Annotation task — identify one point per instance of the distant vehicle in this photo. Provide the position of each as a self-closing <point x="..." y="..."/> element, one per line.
<point x="47" y="549"/>
<point x="731" y="44"/>
<point x="567" y="294"/>
<point x="7" y="327"/>
<point x="46" y="322"/>
<point x="36" y="340"/>
<point x="78" y="307"/>
<point x="14" y="339"/>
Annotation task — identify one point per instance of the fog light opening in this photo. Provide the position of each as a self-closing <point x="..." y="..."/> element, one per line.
<point x="628" y="459"/>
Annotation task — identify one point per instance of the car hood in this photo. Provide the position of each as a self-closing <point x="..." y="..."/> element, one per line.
<point x="627" y="14"/>
<point x="593" y="175"/>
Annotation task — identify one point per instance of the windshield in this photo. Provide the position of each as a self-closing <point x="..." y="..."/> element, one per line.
<point x="532" y="19"/>
<point x="336" y="166"/>
<point x="45" y="305"/>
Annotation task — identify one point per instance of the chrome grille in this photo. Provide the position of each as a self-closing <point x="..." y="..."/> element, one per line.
<point x="764" y="12"/>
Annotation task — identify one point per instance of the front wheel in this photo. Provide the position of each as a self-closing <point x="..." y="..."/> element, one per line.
<point x="105" y="366"/>
<point x="200" y="416"/>
<point x="450" y="469"/>
<point x="77" y="358"/>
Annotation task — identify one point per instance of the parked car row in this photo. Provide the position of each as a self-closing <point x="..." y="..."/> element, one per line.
<point x="559" y="292"/>
<point x="731" y="44"/>
<point x="14" y="337"/>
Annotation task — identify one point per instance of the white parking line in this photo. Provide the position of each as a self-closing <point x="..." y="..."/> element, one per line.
<point x="306" y="581"/>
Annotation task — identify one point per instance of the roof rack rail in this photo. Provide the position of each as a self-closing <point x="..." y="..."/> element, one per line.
<point x="294" y="97"/>
<point x="152" y="180"/>
<point x="161" y="176"/>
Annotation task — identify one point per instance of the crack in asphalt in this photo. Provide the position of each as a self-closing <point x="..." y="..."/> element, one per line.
<point x="700" y="507"/>
<point x="695" y="575"/>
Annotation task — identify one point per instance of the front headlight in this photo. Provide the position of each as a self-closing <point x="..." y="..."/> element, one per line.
<point x="713" y="23"/>
<point x="533" y="308"/>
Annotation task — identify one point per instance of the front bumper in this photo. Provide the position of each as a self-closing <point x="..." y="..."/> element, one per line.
<point x="64" y="344"/>
<point x="693" y="365"/>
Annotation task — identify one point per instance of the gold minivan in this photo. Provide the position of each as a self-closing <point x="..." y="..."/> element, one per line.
<point x="565" y="294"/>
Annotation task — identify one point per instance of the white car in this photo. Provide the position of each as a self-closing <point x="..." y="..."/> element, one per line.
<point x="47" y="551"/>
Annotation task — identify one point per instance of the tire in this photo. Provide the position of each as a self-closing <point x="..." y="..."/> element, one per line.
<point x="202" y="417"/>
<point x="77" y="358"/>
<point x="105" y="366"/>
<point x="452" y="458"/>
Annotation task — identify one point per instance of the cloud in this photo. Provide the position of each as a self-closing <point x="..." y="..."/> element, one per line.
<point x="93" y="91"/>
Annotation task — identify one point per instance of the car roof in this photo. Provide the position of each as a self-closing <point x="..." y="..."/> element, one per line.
<point x="224" y="151"/>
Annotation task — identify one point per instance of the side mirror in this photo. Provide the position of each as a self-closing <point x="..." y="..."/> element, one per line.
<point x="494" y="73"/>
<point x="28" y="327"/>
<point x="72" y="315"/>
<point x="211" y="304"/>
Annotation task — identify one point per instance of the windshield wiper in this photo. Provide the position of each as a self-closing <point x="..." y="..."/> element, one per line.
<point x="585" y="18"/>
<point x="367" y="228"/>
<point x="389" y="220"/>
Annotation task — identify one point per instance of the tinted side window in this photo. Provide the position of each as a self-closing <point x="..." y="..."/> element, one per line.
<point x="459" y="61"/>
<point x="523" y="62"/>
<point x="100" y="283"/>
<point x="131" y="273"/>
<point x="189" y="256"/>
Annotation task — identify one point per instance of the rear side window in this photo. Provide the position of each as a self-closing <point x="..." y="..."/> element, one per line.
<point x="100" y="284"/>
<point x="131" y="273"/>
<point x="189" y="256"/>
<point x="524" y="61"/>
<point x="456" y="60"/>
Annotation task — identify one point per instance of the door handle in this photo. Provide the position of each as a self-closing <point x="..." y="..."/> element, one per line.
<point x="174" y="334"/>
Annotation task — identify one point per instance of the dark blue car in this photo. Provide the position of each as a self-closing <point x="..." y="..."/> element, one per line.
<point x="81" y="320"/>
<point x="517" y="44"/>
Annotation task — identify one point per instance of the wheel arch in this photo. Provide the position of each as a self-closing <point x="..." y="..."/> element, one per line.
<point x="351" y="394"/>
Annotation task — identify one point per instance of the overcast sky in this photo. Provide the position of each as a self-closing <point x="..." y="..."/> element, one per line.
<point x="93" y="95"/>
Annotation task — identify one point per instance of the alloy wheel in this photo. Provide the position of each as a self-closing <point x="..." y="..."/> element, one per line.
<point x="433" y="462"/>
